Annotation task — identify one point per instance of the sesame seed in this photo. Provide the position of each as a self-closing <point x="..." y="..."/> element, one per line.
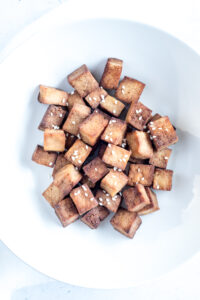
<point x="96" y="169"/>
<point x="123" y="145"/>
<point x="50" y="164"/>
<point x="103" y="101"/>
<point x="157" y="186"/>
<point x="123" y="92"/>
<point x="137" y="111"/>
<point x="126" y="155"/>
<point x="67" y="104"/>
<point x="73" y="122"/>
<point x="101" y="87"/>
<point x="104" y="192"/>
<point x="76" y="168"/>
<point x="91" y="199"/>
<point x="86" y="195"/>
<point x="119" y="170"/>
<point x="114" y="111"/>
<point x="109" y="145"/>
<point x="145" y="127"/>
<point x="102" y="97"/>
<point x="113" y="152"/>
<point x="111" y="139"/>
<point x="106" y="137"/>
<point x="78" y="136"/>
<point x="79" y="161"/>
<point x="60" y="115"/>
<point x="166" y="129"/>
<point x="114" y="121"/>
<point x="123" y="86"/>
<point x="72" y="93"/>
<point x="120" y="193"/>
<point x="115" y="101"/>
<point x="84" y="188"/>
<point x="96" y="111"/>
<point x="55" y="127"/>
<point x="142" y="178"/>
<point x="75" y="194"/>
<point x="140" y="118"/>
<point x="140" y="110"/>
<point x="78" y="192"/>
<point x="153" y="128"/>
<point x="151" y="123"/>
<point x="148" y="131"/>
<point x="138" y="169"/>
<point x="124" y="159"/>
<point x="63" y="100"/>
<point x="94" y="98"/>
<point x="115" y="168"/>
<point x="159" y="128"/>
<point x="154" y="136"/>
<point x="51" y="114"/>
<point x="115" y="183"/>
<point x="100" y="204"/>
<point x="100" y="199"/>
<point x="107" y="195"/>
<point x="73" y="158"/>
<point x="89" y="98"/>
<point x="120" y="159"/>
<point x="86" y="146"/>
<point x="166" y="157"/>
<point x="151" y="138"/>
<point x="67" y="134"/>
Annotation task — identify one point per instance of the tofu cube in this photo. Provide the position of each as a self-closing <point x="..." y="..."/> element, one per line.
<point x="142" y="174"/>
<point x="129" y="90"/>
<point x="162" y="179"/>
<point x="95" y="97"/>
<point x="116" y="156"/>
<point x="162" y="133"/>
<point x="49" y="95"/>
<point x="114" y="132"/>
<point x="160" y="158"/>
<point x="53" y="118"/>
<point x="112" y="105"/>
<point x="70" y="139"/>
<point x="111" y="203"/>
<point x="126" y="222"/>
<point x="138" y="115"/>
<point x="83" y="199"/>
<point x="136" y="198"/>
<point x="66" y="211"/>
<point x="82" y="81"/>
<point x="95" y="170"/>
<point x="61" y="161"/>
<point x="95" y="216"/>
<point x="92" y="127"/>
<point x="112" y="72"/>
<point x="153" y="206"/>
<point x="74" y="98"/>
<point x="77" y="114"/>
<point x="139" y="144"/>
<point x="44" y="158"/>
<point x="54" y="140"/>
<point x="53" y="194"/>
<point x="86" y="180"/>
<point x="114" y="182"/>
<point x="78" y="153"/>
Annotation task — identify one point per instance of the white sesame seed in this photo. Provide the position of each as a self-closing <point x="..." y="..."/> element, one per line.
<point x="102" y="97"/>
<point x="75" y="194"/>
<point x="55" y="126"/>
<point x="86" y="147"/>
<point x="145" y="127"/>
<point x="111" y="139"/>
<point x="96" y="111"/>
<point x="103" y="101"/>
<point x="157" y="186"/>
<point x="114" y="111"/>
<point x="107" y="195"/>
<point x="159" y="128"/>
<point x="120" y="193"/>
<point x="90" y="98"/>
<point x="50" y="164"/>
<point x="84" y="188"/>
<point x="73" y="122"/>
<point x="115" y="168"/>
<point x="109" y="145"/>
<point x="114" y="121"/>
<point x="137" y="111"/>
<point x="123" y="92"/>
<point x="73" y="158"/>
<point x="79" y="161"/>
<point x="91" y="199"/>
<point x="115" y="183"/>
<point x="140" y="110"/>
<point x="96" y="169"/>
<point x="142" y="178"/>
<point x="119" y="170"/>
<point x="151" y="138"/>
<point x="86" y="195"/>
<point x="126" y="155"/>
<point x="72" y="93"/>
<point x="76" y="168"/>
<point x="63" y="100"/>
<point x="104" y="192"/>
<point x="78" y="192"/>
<point x="123" y="145"/>
<point x="153" y="128"/>
<point x="166" y="157"/>
<point x="100" y="204"/>
<point x="148" y="131"/>
<point x="140" y="118"/>
<point x="166" y="129"/>
<point x="78" y="136"/>
<point x="151" y="123"/>
<point x="94" y="98"/>
<point x="115" y="101"/>
<point x="67" y="134"/>
<point x="120" y="159"/>
<point x="138" y="169"/>
<point x="67" y="104"/>
<point x="124" y="159"/>
<point x="51" y="114"/>
<point x="110" y="133"/>
<point x="60" y="115"/>
<point x="113" y="152"/>
<point x="154" y="136"/>
<point x="100" y="199"/>
<point x="123" y="86"/>
<point x="106" y="137"/>
<point x="101" y="87"/>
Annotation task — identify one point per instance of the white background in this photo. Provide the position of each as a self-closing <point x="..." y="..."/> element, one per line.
<point x="17" y="280"/>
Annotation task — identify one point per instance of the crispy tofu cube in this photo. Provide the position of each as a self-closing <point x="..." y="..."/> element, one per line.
<point x="49" y="95"/>
<point x="95" y="170"/>
<point x="82" y="81"/>
<point x="136" y="198"/>
<point x="140" y="144"/>
<point x="95" y="97"/>
<point x="112" y="72"/>
<point x="78" y="153"/>
<point x="70" y="139"/>
<point x="61" y="161"/>
<point x="114" y="182"/>
<point x="66" y="211"/>
<point x="126" y="222"/>
<point x="83" y="198"/>
<point x="138" y="115"/>
<point x="44" y="158"/>
<point x="53" y="194"/>
<point x="116" y="156"/>
<point x="111" y="203"/>
<point x="95" y="216"/>
<point x="153" y="206"/>
<point x="160" y="158"/>
<point x="163" y="133"/>
<point x="77" y="114"/>
<point x="86" y="180"/>
<point x="142" y="174"/>
<point x="53" y="118"/>
<point x="74" y="98"/>
<point x="114" y="132"/>
<point x="92" y="127"/>
<point x="162" y="179"/>
<point x="129" y="90"/>
<point x="54" y="140"/>
<point x="112" y="105"/>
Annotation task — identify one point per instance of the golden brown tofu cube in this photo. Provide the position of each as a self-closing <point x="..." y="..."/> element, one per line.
<point x="142" y="174"/>
<point x="92" y="127"/>
<point x="44" y="158"/>
<point x="78" y="153"/>
<point x="112" y="72"/>
<point x="140" y="144"/>
<point x="129" y="90"/>
<point x="136" y="198"/>
<point x="162" y="179"/>
<point x="114" y="132"/>
<point x="77" y="114"/>
<point x="82" y="81"/>
<point x="126" y="222"/>
<point x="54" y="140"/>
<point x="86" y="180"/>
<point x="116" y="156"/>
<point x="160" y="158"/>
<point x="83" y="198"/>
<point x="104" y="199"/>
<point x="114" y="182"/>
<point x="162" y="133"/>
<point x="49" y="95"/>
<point x="138" y="115"/>
<point x="53" y="118"/>
<point x="74" y="98"/>
<point x="95" y="170"/>
<point x="66" y="211"/>
<point x="95" y="216"/>
<point x="70" y="139"/>
<point x="61" y="161"/>
<point x="53" y="194"/>
<point x="112" y="105"/>
<point x="95" y="97"/>
<point x="153" y="206"/>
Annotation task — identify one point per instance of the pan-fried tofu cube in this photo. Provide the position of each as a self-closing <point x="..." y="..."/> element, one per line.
<point x="111" y="203"/>
<point x="153" y="206"/>
<point x="95" y="170"/>
<point x="95" y="216"/>
<point x="86" y="180"/>
<point x="66" y="211"/>
<point x="74" y="98"/>
<point x="142" y="174"/>
<point x="114" y="132"/>
<point x="70" y="139"/>
<point x="92" y="127"/>
<point x="160" y="158"/>
<point x="126" y="222"/>
<point x="78" y="153"/>
<point x="44" y="158"/>
<point x="138" y="115"/>
<point x="162" y="179"/>
<point x="49" y="95"/>
<point x="61" y="161"/>
<point x="77" y="114"/>
<point x="140" y="144"/>
<point x="54" y="140"/>
<point x="95" y="97"/>
<point x="129" y="90"/>
<point x="53" y="194"/>
<point x="114" y="182"/>
<point x="116" y="156"/>
<point x="136" y="198"/>
<point x="83" y="199"/>
<point x="112" y="105"/>
<point x="112" y="73"/>
<point x="163" y="133"/>
<point x="82" y="81"/>
<point x="53" y="118"/>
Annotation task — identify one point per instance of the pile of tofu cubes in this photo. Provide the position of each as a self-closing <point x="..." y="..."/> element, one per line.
<point x="103" y="162"/>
